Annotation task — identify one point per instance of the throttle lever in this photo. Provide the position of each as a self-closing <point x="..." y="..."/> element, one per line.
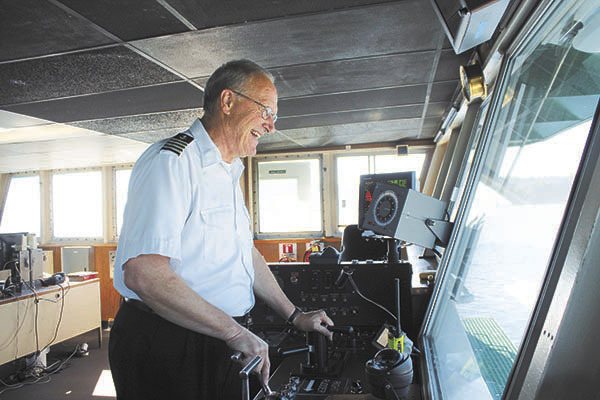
<point x="245" y="373"/>
<point x="342" y="329"/>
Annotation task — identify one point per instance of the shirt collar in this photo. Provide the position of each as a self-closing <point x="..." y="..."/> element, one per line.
<point x="210" y="153"/>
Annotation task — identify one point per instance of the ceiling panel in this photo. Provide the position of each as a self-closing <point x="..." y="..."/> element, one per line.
<point x="71" y="152"/>
<point x="32" y="28"/>
<point x="443" y="91"/>
<point x="129" y="19"/>
<point x="138" y="124"/>
<point x="210" y="14"/>
<point x="355" y="74"/>
<point x="448" y="65"/>
<point x="383" y="29"/>
<point x="388" y="127"/>
<point x="357" y="100"/>
<point x="73" y="74"/>
<point x="41" y="133"/>
<point x="377" y="114"/>
<point x="10" y="120"/>
<point x="152" y="135"/>
<point x="360" y="73"/>
<point x="436" y="110"/>
<point x="347" y="71"/>
<point x="167" y="97"/>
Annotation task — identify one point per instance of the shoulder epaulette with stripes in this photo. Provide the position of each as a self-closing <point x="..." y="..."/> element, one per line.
<point x="178" y="143"/>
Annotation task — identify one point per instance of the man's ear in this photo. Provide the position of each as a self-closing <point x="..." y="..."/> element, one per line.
<point x="226" y="101"/>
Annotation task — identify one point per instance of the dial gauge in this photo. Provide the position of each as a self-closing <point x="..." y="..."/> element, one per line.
<point x="386" y="207"/>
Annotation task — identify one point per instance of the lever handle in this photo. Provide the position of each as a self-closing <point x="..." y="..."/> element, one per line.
<point x="245" y="372"/>
<point x="293" y="350"/>
<point x="340" y="329"/>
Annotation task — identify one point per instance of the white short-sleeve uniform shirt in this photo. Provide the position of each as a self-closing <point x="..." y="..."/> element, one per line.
<point x="184" y="202"/>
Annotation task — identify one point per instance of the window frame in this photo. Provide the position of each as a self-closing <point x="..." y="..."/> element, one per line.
<point x="255" y="198"/>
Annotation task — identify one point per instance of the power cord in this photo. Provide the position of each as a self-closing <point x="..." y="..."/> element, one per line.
<point x="37" y="373"/>
<point x="348" y="273"/>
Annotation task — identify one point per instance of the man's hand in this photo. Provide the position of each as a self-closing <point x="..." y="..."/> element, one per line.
<point x="251" y="346"/>
<point x="314" y="321"/>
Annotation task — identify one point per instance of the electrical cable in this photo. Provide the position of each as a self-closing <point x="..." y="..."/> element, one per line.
<point x="62" y="308"/>
<point x="351" y="280"/>
<point x="36" y="301"/>
<point x="46" y="373"/>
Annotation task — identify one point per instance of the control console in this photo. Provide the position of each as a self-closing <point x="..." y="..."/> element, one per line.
<point x="313" y="287"/>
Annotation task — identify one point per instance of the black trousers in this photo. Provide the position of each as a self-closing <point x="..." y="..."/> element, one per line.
<point x="152" y="358"/>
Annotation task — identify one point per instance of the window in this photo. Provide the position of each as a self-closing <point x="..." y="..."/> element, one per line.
<point x="289" y="196"/>
<point x="515" y="202"/>
<point x="22" y="208"/>
<point x="77" y="205"/>
<point x="121" y="185"/>
<point x="393" y="163"/>
<point x="350" y="168"/>
<point x="467" y="162"/>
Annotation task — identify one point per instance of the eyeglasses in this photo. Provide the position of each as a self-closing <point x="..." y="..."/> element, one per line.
<point x="267" y="112"/>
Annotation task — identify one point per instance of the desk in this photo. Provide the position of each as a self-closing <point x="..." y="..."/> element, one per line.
<point x="80" y="313"/>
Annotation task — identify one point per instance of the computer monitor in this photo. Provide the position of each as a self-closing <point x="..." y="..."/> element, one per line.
<point x="10" y="246"/>
<point x="406" y="179"/>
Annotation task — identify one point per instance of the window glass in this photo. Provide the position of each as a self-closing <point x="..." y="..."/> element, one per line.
<point x="289" y="196"/>
<point x="503" y="247"/>
<point x="77" y="205"/>
<point x="121" y="184"/>
<point x="467" y="161"/>
<point x="393" y="163"/>
<point x="22" y="208"/>
<point x="349" y="169"/>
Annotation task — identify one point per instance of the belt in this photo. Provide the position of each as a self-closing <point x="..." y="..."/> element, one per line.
<point x="244" y="320"/>
<point x="139" y="305"/>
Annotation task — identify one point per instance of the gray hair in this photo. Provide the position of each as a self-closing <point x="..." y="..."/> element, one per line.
<point x="233" y="75"/>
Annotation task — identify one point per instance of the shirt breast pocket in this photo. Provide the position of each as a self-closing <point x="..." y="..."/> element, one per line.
<point x="218" y="218"/>
<point x="221" y="244"/>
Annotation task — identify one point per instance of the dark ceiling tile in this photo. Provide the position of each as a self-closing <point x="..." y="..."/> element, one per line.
<point x="151" y="136"/>
<point x="443" y="91"/>
<point x="437" y="110"/>
<point x="448" y="65"/>
<point x="380" y="114"/>
<point x="345" y="75"/>
<point x="355" y="33"/>
<point x="353" y="133"/>
<point x="355" y="74"/>
<point x="129" y="19"/>
<point x="359" y="100"/>
<point x="32" y="27"/>
<point x="430" y="128"/>
<point x="209" y="14"/>
<point x="78" y="73"/>
<point x="141" y="124"/>
<point x="167" y="97"/>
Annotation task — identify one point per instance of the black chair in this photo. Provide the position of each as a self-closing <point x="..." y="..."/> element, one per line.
<point x="357" y="247"/>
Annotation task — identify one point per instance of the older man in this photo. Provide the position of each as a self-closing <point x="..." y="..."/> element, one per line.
<point x="186" y="263"/>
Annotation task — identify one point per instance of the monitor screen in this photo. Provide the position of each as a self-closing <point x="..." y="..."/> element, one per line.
<point x="407" y="179"/>
<point x="10" y="244"/>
